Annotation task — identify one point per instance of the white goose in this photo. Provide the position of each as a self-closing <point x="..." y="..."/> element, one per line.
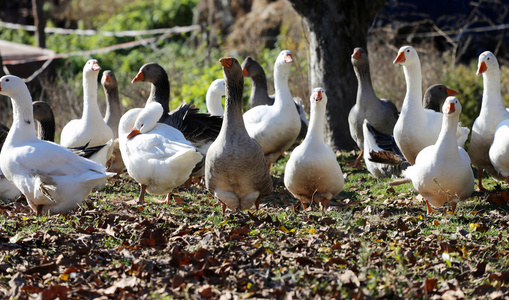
<point x="214" y="97"/>
<point x="312" y="172"/>
<point x="442" y="171"/>
<point x="91" y="128"/>
<point x="275" y="127"/>
<point x="417" y="127"/>
<point x="8" y="191"/>
<point x="156" y="155"/>
<point x="52" y="178"/>
<point x="492" y="113"/>
<point x="499" y="150"/>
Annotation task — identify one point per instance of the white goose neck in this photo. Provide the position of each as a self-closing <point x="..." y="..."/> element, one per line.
<point x="491" y="91"/>
<point x="22" y="129"/>
<point x="90" y="106"/>
<point x="413" y="78"/>
<point x="316" y="130"/>
<point x="447" y="142"/>
<point x="283" y="94"/>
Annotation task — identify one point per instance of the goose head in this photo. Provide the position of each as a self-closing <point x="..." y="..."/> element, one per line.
<point x="108" y="79"/>
<point x="359" y="57"/>
<point x="451" y="107"/>
<point x="318" y="96"/>
<point x="407" y="55"/>
<point x="42" y="111"/>
<point x="216" y="88"/>
<point x="91" y="67"/>
<point x="284" y="58"/>
<point x="150" y="72"/>
<point x="231" y="68"/>
<point x="214" y="95"/>
<point x="11" y="86"/>
<point x="147" y="119"/>
<point x="487" y="63"/>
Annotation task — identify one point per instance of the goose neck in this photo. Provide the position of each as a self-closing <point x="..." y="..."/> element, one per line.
<point x="447" y="141"/>
<point x="282" y="90"/>
<point x="90" y="106"/>
<point x="492" y="97"/>
<point x="160" y="92"/>
<point x="46" y="129"/>
<point x="316" y="129"/>
<point x="232" y="118"/>
<point x="413" y="78"/>
<point x="365" y="91"/>
<point x="112" y="103"/>
<point x="22" y="128"/>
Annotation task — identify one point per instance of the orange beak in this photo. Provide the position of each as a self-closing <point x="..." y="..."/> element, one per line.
<point x="318" y="96"/>
<point x="226" y="62"/>
<point x="107" y="78"/>
<point x="450" y="108"/>
<point x="288" y="58"/>
<point x="356" y="54"/>
<point x="451" y="92"/>
<point x="139" y="77"/>
<point x="0" y="87"/>
<point x="400" y="58"/>
<point x="482" y="68"/>
<point x="134" y="132"/>
<point x="95" y="66"/>
<point x="244" y="71"/>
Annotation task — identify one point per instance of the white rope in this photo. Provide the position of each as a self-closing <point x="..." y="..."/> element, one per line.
<point x="131" y="33"/>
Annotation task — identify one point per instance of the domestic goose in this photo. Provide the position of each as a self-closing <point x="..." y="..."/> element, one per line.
<point x="112" y="118"/>
<point x="235" y="169"/>
<point x="8" y="190"/>
<point x="312" y="173"/>
<point x="380" y="113"/>
<point x="382" y="156"/>
<point x="156" y="155"/>
<point x="442" y="171"/>
<point x="201" y="129"/>
<point x="275" y="127"/>
<point x="499" y="150"/>
<point x="492" y="113"/>
<point x="214" y="97"/>
<point x="417" y="127"/>
<point x="52" y="178"/>
<point x="91" y="128"/>
<point x="260" y="95"/>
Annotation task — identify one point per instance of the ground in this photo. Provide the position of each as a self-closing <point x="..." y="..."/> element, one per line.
<point x="373" y="242"/>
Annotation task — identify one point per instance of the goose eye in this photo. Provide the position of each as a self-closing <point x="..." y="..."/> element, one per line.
<point x="408" y="50"/>
<point x="488" y="58"/>
<point x="7" y="79"/>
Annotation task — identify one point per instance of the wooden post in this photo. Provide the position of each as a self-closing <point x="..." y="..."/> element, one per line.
<point x="39" y="22"/>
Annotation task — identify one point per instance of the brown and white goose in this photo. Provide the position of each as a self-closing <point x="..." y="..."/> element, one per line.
<point x="236" y="170"/>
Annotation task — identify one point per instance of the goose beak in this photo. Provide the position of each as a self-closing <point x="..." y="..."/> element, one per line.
<point x="0" y="87"/>
<point x="451" y="92"/>
<point x="318" y="96"/>
<point x="482" y="68"/>
<point x="450" y="108"/>
<point x="226" y="62"/>
<point x="139" y="77"/>
<point x="288" y="58"/>
<point x="244" y="71"/>
<point x="134" y="132"/>
<point x="95" y="66"/>
<point x="356" y="54"/>
<point x="400" y="58"/>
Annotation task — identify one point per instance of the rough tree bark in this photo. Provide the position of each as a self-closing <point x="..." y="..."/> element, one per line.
<point x="336" y="27"/>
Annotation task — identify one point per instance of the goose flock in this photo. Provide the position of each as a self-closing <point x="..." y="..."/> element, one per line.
<point x="233" y="150"/>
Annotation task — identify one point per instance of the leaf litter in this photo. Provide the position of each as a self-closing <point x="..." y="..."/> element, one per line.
<point x="373" y="242"/>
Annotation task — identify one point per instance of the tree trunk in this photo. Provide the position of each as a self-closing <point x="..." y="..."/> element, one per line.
<point x="336" y="27"/>
<point x="39" y="23"/>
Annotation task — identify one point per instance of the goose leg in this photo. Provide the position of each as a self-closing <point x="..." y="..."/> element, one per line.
<point x="324" y="204"/>
<point x="257" y="204"/>
<point x="358" y="161"/>
<point x="223" y="207"/>
<point x="268" y="166"/>
<point x="141" y="198"/>
<point x="453" y="206"/>
<point x="39" y="210"/>
<point x="430" y="209"/>
<point x="479" y="177"/>
<point x="168" y="197"/>
<point x="303" y="204"/>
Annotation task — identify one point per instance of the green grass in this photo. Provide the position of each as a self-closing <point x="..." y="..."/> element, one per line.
<point x="382" y="235"/>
